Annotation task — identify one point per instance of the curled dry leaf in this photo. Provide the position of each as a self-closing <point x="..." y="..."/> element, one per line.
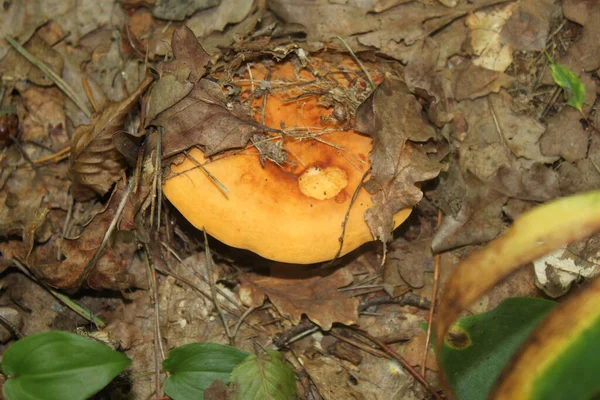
<point x="203" y="119"/>
<point x="109" y="271"/>
<point x="177" y="77"/>
<point x="95" y="163"/>
<point x="392" y="117"/>
<point x="189" y="55"/>
<point x="297" y="292"/>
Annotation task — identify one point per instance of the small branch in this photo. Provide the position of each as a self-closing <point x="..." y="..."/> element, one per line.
<point x="402" y="362"/>
<point x="209" y="267"/>
<point x="58" y="81"/>
<point x="436" y="278"/>
<point x="360" y="64"/>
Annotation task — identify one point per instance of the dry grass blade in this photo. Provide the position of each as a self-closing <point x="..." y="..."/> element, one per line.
<point x="51" y="74"/>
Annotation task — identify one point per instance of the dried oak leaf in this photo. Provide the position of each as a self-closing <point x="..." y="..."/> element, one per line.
<point x="95" y="163"/>
<point x="203" y="119"/>
<point x="178" y="76"/>
<point x="179" y="10"/>
<point x="111" y="269"/>
<point x="392" y="117"/>
<point x="189" y="55"/>
<point x="299" y="292"/>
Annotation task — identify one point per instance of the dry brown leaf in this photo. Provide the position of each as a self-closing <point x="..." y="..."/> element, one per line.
<point x="189" y="55"/>
<point x="95" y="163"/>
<point x="22" y="18"/>
<point x="178" y="10"/>
<point x="472" y="81"/>
<point x="584" y="55"/>
<point x="203" y="119"/>
<point x="111" y="271"/>
<point x="577" y="10"/>
<point x="298" y="291"/>
<point x="17" y="67"/>
<point x="484" y="40"/>
<point x="407" y="263"/>
<point x="529" y="26"/>
<point x="392" y="116"/>
<point x="177" y="77"/>
<point x="217" y="18"/>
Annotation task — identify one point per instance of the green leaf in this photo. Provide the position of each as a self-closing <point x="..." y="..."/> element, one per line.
<point x="59" y="366"/>
<point x="560" y="359"/>
<point x="264" y="377"/>
<point x="478" y="347"/>
<point x="194" y="367"/>
<point x="574" y="89"/>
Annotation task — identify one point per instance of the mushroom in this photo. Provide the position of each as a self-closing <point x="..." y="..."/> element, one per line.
<point x="288" y="194"/>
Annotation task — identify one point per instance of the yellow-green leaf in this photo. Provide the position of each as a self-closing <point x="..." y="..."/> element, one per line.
<point x="574" y="89"/>
<point x="534" y="234"/>
<point x="560" y="359"/>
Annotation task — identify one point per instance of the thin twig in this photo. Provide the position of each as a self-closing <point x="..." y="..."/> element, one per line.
<point x="65" y="227"/>
<point x="77" y="308"/>
<point x="208" y="173"/>
<point x="159" y="183"/>
<point x="203" y="278"/>
<point x="155" y="178"/>
<point x="241" y="319"/>
<point x="402" y="362"/>
<point x="354" y="197"/>
<point x="158" y="349"/>
<point x="11" y="327"/>
<point x="436" y="278"/>
<point x="58" y="81"/>
<point x="360" y="64"/>
<point x="107" y="235"/>
<point x="209" y="267"/>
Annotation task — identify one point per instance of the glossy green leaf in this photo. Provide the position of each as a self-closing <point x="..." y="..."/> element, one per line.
<point x="194" y="367"/>
<point x="559" y="360"/>
<point x="571" y="84"/>
<point x="478" y="347"/>
<point x="265" y="376"/>
<point x="59" y="366"/>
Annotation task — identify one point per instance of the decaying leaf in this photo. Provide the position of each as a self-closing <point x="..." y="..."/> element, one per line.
<point x="112" y="269"/>
<point x="406" y="264"/>
<point x="178" y="10"/>
<point x="392" y="116"/>
<point x="203" y="119"/>
<point x="17" y="67"/>
<point x="95" y="163"/>
<point x="177" y="77"/>
<point x="189" y="55"/>
<point x="297" y="292"/>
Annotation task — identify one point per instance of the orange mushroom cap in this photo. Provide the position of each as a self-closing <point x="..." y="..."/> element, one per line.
<point x="292" y="212"/>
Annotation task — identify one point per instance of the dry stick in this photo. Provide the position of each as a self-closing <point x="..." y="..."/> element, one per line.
<point x="219" y="290"/>
<point x="159" y="183"/>
<point x="241" y="319"/>
<point x="436" y="278"/>
<point x="208" y="173"/>
<point x="155" y="181"/>
<point x="89" y="94"/>
<point x="360" y="345"/>
<point x="65" y="227"/>
<point x="354" y="196"/>
<point x="59" y="155"/>
<point x="159" y="354"/>
<point x="77" y="308"/>
<point x="402" y="362"/>
<point x="107" y="235"/>
<point x="11" y="328"/>
<point x="209" y="267"/>
<point x="51" y="74"/>
<point x="360" y="64"/>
